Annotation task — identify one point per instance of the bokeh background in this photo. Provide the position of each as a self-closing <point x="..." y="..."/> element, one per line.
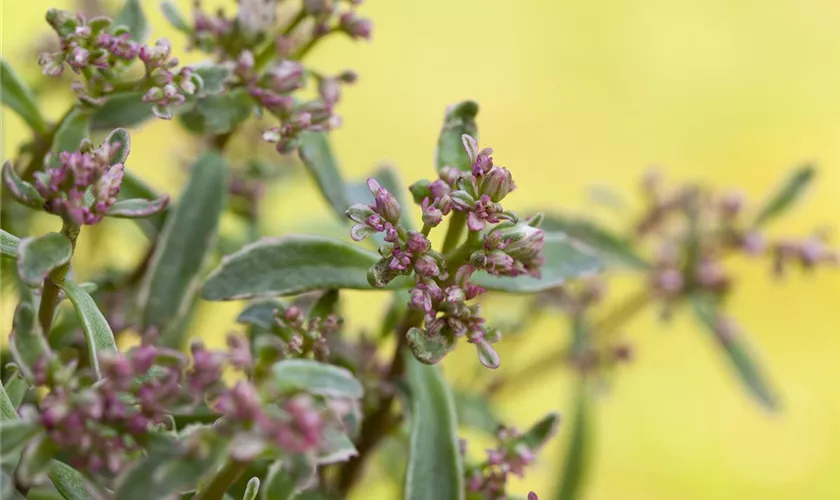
<point x="576" y="95"/>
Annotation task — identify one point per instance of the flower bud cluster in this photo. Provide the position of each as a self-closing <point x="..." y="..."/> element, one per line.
<point x="84" y="184"/>
<point x="301" y="337"/>
<point x="101" y="53"/>
<point x="101" y="425"/>
<point x="443" y="285"/>
<point x="692" y="230"/>
<point x="512" y="455"/>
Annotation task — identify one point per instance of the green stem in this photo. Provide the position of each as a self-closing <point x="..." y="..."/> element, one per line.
<point x="376" y="425"/>
<point x="311" y="43"/>
<point x="50" y="294"/>
<point x="222" y="481"/>
<point x="457" y="224"/>
<point x="42" y="147"/>
<point x="461" y="255"/>
<point x="267" y="54"/>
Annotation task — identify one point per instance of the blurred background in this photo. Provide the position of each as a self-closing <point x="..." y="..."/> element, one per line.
<point x="575" y="95"/>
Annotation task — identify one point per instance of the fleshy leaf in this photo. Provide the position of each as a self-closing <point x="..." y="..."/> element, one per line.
<point x="175" y="17"/>
<point x="335" y="447"/>
<point x="68" y="137"/>
<point x="325" y="305"/>
<point x="474" y="411"/>
<point x="736" y="348"/>
<point x="434" y="451"/>
<point x="316" y="378"/>
<point x="21" y="190"/>
<point x="133" y="18"/>
<point x="565" y="258"/>
<point x="98" y="334"/>
<point x="136" y="208"/>
<point x="576" y="460"/>
<point x="285" y="479"/>
<point x="459" y="120"/>
<point x="214" y="77"/>
<point x="615" y="251"/>
<point x="16" y="386"/>
<point x="185" y="243"/>
<point x="27" y="342"/>
<point x="35" y="459"/>
<point x="259" y="314"/>
<point x="9" y="245"/>
<point x="429" y="348"/>
<point x="120" y="139"/>
<point x="68" y="481"/>
<point x="288" y="266"/>
<point x="787" y="194"/>
<point x="123" y="109"/>
<point x="316" y="154"/>
<point x="8" y="411"/>
<point x="252" y="489"/>
<point x="219" y="114"/>
<point x="536" y="437"/>
<point x="134" y="188"/>
<point x="17" y="95"/>
<point x="15" y="434"/>
<point x="37" y="257"/>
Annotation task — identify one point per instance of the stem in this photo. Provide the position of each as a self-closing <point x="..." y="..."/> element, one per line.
<point x="49" y="296"/>
<point x="267" y="54"/>
<point x="311" y="43"/>
<point x="462" y="254"/>
<point x="612" y="322"/>
<point x="376" y="425"/>
<point x="222" y="481"/>
<point x="453" y="234"/>
<point x="42" y="147"/>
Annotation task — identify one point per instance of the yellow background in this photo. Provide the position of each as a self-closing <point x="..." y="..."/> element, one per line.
<point x="582" y="93"/>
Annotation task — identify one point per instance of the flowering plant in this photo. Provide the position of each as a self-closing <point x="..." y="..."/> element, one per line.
<point x="295" y="405"/>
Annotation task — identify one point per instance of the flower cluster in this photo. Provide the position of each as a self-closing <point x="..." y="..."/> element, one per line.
<point x="514" y="452"/>
<point x="443" y="283"/>
<point x="85" y="183"/>
<point x="100" y="52"/>
<point x="103" y="425"/>
<point x="298" y="336"/>
<point x="693" y="230"/>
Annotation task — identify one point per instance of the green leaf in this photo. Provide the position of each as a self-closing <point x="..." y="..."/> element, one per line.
<point x="15" y="434"/>
<point x="428" y="347"/>
<point x="21" y="190"/>
<point x="17" y="95"/>
<point x="219" y="114"/>
<point x="123" y="109"/>
<point x="335" y="447"/>
<point x="213" y="76"/>
<point x="27" y="342"/>
<point x="315" y="378"/>
<point x="434" y="463"/>
<point x="616" y="251"/>
<point x="287" y="478"/>
<point x="135" y="188"/>
<point x="120" y="142"/>
<point x="68" y="481"/>
<point x="260" y="314"/>
<point x="327" y="304"/>
<point x="736" y="348"/>
<point x="136" y="208"/>
<point x="787" y="194"/>
<point x="185" y="243"/>
<point x="474" y="411"/>
<point x="8" y="411"/>
<point x="7" y="487"/>
<point x="288" y="266"/>
<point x="133" y="18"/>
<point x="459" y="120"/>
<point x="565" y="259"/>
<point x="40" y="256"/>
<point x="536" y="437"/>
<point x="252" y="489"/>
<point x="98" y="333"/>
<point x="175" y="18"/>
<point x="16" y="386"/>
<point x="316" y="154"/>
<point x="68" y="137"/>
<point x="36" y="458"/>
<point x="578" y="452"/>
<point x="9" y="244"/>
